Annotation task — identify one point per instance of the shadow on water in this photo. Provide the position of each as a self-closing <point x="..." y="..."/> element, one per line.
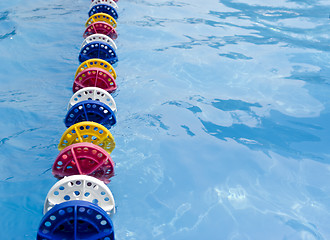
<point x="267" y="22"/>
<point x="7" y="28"/>
<point x="4" y="15"/>
<point x="266" y="25"/>
<point x="286" y="135"/>
<point x="318" y="76"/>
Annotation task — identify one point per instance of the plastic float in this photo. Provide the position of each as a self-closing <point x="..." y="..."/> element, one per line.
<point x="106" y="2"/>
<point x="79" y="205"/>
<point x="84" y="159"/>
<point x="113" y="0"/>
<point x="93" y="93"/>
<point x="100" y="38"/>
<point x="102" y="28"/>
<point x="103" y="8"/>
<point x="88" y="132"/>
<point x="94" y="77"/>
<point x="100" y="50"/>
<point x="101" y="17"/>
<point x="76" y="220"/>
<point x="80" y="187"/>
<point x="99" y="63"/>
<point x="90" y="110"/>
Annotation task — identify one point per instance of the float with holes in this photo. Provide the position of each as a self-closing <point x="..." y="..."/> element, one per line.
<point x="80" y="205"/>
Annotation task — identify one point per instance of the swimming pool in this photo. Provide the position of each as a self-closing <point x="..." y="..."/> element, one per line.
<point x="223" y="116"/>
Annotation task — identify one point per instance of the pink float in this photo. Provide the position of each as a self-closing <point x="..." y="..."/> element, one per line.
<point x="101" y="28"/>
<point x="84" y="159"/>
<point x="94" y="77"/>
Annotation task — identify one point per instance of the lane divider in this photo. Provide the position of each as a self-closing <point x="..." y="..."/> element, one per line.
<point x="84" y="188"/>
<point x="101" y="27"/>
<point x="90" y="110"/>
<point x="84" y="159"/>
<point x="99" y="63"/>
<point x="94" y="77"/>
<point x="103" y="8"/>
<point x="93" y="93"/>
<point x="101" y="17"/>
<point x="76" y="220"/>
<point x="106" y="2"/>
<point x="101" y="38"/>
<point x="88" y="132"/>
<point x="80" y="205"/>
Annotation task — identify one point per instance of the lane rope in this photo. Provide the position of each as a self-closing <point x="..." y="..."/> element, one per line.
<point x="80" y="205"/>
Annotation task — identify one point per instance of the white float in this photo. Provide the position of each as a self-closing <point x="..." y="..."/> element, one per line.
<point x="80" y="187"/>
<point x="100" y="38"/>
<point x="93" y="93"/>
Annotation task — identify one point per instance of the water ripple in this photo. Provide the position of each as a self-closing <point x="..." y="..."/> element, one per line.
<point x="4" y="15"/>
<point x="8" y="35"/>
<point x="7" y="28"/>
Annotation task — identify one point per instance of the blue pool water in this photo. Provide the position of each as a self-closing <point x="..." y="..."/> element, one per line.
<point x="223" y="124"/>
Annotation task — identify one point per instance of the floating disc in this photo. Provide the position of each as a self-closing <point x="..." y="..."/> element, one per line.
<point x="106" y="2"/>
<point x="102" y="28"/>
<point x="76" y="220"/>
<point x="101" y="17"/>
<point x="98" y="50"/>
<point x="88" y="132"/>
<point x="93" y="93"/>
<point x="103" y="8"/>
<point x="90" y="110"/>
<point x="100" y="38"/>
<point x="94" y="77"/>
<point x="113" y="0"/>
<point x="99" y="63"/>
<point x="84" y="159"/>
<point x="80" y="187"/>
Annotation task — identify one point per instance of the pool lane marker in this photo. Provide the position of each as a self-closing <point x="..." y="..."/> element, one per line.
<point x="79" y="205"/>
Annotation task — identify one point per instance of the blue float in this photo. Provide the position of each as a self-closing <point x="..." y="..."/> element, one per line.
<point x="75" y="220"/>
<point x="90" y="110"/>
<point x="103" y="8"/>
<point x="98" y="49"/>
